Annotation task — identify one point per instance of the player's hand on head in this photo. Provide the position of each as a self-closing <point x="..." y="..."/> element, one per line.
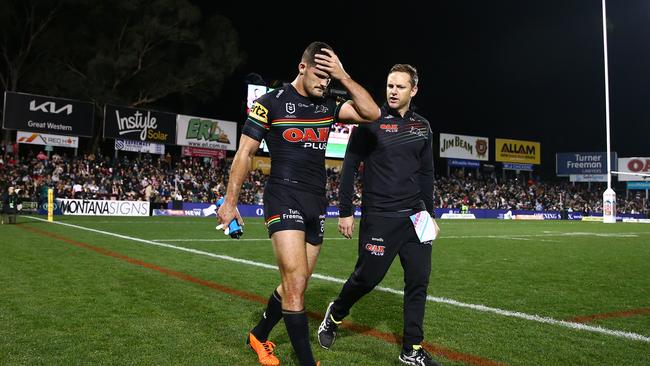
<point x="327" y="61"/>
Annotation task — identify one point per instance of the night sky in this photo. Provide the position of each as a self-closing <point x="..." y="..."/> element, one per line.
<point x="530" y="70"/>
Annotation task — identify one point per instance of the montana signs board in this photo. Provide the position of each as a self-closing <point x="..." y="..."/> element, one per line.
<point x="464" y="147"/>
<point x="139" y="125"/>
<point x="39" y="113"/>
<point x="517" y="151"/>
<point x="77" y="207"/>
<point x="206" y="133"/>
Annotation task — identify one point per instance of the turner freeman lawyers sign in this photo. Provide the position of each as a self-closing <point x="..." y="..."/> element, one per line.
<point x="581" y="163"/>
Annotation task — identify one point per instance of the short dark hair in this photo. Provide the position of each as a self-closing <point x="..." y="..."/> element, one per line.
<point x="309" y="55"/>
<point x="412" y="71"/>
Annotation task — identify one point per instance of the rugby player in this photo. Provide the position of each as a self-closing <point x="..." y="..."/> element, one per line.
<point x="295" y="121"/>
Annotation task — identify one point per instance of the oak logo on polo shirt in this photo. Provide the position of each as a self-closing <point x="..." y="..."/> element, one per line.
<point x="389" y="127"/>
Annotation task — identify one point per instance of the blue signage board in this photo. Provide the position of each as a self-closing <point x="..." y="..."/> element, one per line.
<point x="209" y="210"/>
<point x="464" y="163"/>
<point x="579" y="163"/>
<point x="638" y="185"/>
<point x="517" y="166"/>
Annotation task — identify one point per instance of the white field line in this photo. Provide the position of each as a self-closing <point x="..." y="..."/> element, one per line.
<point x="158" y="222"/>
<point x="199" y="240"/>
<point x="478" y="307"/>
<point x="547" y="235"/>
<point x="512" y="237"/>
<point x="226" y="239"/>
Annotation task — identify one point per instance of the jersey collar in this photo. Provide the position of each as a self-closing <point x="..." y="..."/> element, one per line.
<point x="386" y="110"/>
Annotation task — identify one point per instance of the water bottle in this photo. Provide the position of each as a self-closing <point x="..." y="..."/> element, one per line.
<point x="234" y="229"/>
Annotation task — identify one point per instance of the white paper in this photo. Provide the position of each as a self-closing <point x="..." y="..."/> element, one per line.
<point x="425" y="227"/>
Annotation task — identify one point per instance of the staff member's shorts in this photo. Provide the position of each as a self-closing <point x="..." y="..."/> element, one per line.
<point x="293" y="209"/>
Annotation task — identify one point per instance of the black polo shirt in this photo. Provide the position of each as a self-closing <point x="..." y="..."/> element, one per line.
<point x="398" y="165"/>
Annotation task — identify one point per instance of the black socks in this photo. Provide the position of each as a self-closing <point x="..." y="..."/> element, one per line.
<point x="270" y="318"/>
<point x="298" y="329"/>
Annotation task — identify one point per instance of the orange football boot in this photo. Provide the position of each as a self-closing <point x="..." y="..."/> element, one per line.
<point x="264" y="351"/>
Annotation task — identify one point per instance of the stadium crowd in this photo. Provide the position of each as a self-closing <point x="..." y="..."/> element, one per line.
<point x="165" y="179"/>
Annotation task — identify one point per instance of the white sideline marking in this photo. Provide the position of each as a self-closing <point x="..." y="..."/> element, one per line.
<point x="606" y="235"/>
<point x="483" y="308"/>
<point x="228" y="239"/>
<point x="524" y="237"/>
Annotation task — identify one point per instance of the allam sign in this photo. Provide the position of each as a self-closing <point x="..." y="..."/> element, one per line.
<point x="139" y="125"/>
<point x="517" y="151"/>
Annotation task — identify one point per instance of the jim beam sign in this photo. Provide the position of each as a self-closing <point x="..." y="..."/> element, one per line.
<point x="464" y="147"/>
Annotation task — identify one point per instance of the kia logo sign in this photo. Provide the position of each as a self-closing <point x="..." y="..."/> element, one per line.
<point x="638" y="165"/>
<point x="49" y="107"/>
<point x="46" y="114"/>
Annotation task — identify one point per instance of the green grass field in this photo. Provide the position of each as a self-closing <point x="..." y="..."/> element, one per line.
<point x="174" y="291"/>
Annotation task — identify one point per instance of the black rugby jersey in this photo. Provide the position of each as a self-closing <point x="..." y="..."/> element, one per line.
<point x="398" y="165"/>
<point x="296" y="130"/>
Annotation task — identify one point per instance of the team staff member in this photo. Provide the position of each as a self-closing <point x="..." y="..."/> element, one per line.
<point x="397" y="183"/>
<point x="295" y="121"/>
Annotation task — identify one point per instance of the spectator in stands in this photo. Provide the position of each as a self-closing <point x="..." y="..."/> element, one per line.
<point x="103" y="178"/>
<point x="10" y="206"/>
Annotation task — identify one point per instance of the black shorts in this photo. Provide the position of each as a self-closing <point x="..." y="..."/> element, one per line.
<point x="292" y="209"/>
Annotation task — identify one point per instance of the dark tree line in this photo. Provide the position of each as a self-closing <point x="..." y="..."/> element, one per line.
<point x="126" y="52"/>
